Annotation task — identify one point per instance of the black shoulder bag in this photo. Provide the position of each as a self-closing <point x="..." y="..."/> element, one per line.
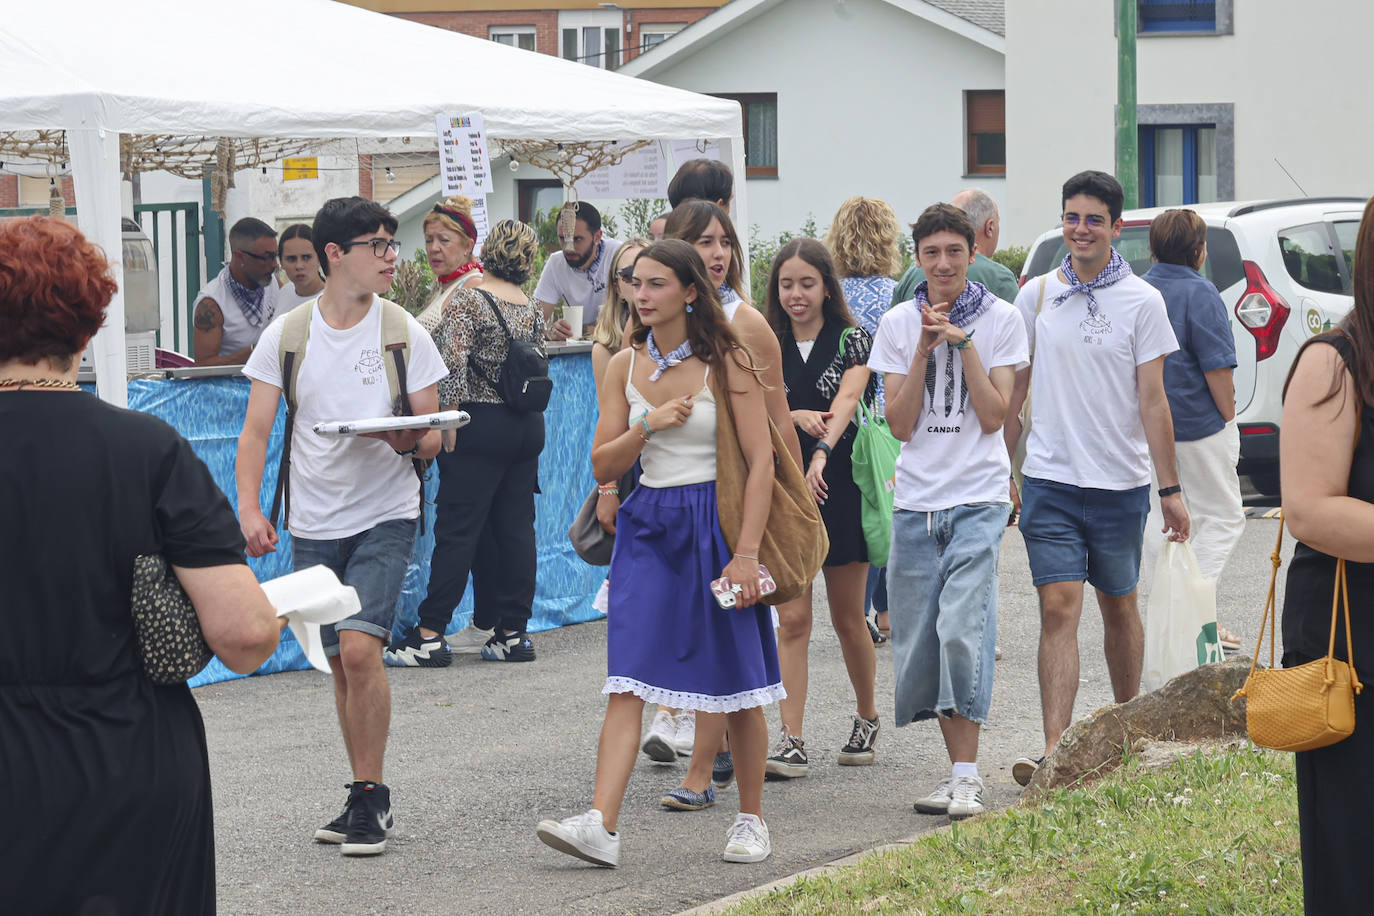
<point x="524" y="382"/>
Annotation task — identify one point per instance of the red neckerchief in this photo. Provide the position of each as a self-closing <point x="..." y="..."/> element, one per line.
<point x="449" y="278"/>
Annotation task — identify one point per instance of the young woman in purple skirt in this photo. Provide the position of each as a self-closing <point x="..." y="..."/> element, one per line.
<point x="667" y="640"/>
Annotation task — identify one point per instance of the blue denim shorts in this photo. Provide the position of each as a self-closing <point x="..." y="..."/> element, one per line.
<point x="374" y="562"/>
<point x="1077" y="533"/>
<point x="942" y="602"/>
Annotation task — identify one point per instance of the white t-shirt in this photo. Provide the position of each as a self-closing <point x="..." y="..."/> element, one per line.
<point x="343" y="486"/>
<point x="949" y="461"/>
<point x="288" y="298"/>
<point x="1085" y="408"/>
<point x="586" y="288"/>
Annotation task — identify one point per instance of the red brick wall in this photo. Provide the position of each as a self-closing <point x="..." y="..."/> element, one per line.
<point x="365" y="176"/>
<point x="9" y="190"/>
<point x="545" y="24"/>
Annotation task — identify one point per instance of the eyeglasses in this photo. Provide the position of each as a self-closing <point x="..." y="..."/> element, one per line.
<point x="626" y="273"/>
<point x="379" y="246"/>
<point x="267" y="258"/>
<point x="1092" y="220"/>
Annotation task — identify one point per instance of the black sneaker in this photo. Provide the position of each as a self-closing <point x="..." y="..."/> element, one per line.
<point x="859" y="751"/>
<point x="337" y="829"/>
<point x="416" y="651"/>
<point x="369" y="819"/>
<point x="508" y="647"/>
<point x="788" y="760"/>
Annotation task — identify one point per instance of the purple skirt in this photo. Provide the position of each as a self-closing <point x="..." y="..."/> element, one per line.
<point x="667" y="641"/>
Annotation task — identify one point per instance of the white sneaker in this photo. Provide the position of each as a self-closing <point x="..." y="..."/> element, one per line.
<point x="747" y="839"/>
<point x="468" y="641"/>
<point x="686" y="732"/>
<point x="937" y="802"/>
<point x="583" y="836"/>
<point x="658" y="743"/>
<point x="966" y="798"/>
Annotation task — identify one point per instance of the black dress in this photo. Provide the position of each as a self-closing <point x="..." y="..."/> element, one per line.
<point x="812" y="384"/>
<point x="106" y="776"/>
<point x="1335" y="792"/>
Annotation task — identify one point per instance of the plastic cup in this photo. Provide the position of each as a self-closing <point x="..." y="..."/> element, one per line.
<point x="572" y="314"/>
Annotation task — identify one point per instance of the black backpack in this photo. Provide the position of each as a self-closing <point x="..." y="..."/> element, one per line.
<point x="524" y="383"/>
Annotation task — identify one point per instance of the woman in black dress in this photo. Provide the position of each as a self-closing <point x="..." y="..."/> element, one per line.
<point x="108" y="773"/>
<point x="824" y="363"/>
<point x="1326" y="453"/>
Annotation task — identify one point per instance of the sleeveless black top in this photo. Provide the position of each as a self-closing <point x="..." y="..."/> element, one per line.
<point x="1312" y="574"/>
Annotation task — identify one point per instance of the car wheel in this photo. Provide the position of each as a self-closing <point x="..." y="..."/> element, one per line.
<point x="1267" y="482"/>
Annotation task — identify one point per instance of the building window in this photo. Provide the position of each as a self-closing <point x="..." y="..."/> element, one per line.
<point x="1178" y="164"/>
<point x="517" y="36"/>
<point x="536" y="196"/>
<point x="760" y="111"/>
<point x="591" y="37"/>
<point x="655" y="33"/>
<point x="1177" y="16"/>
<point x="985" y="119"/>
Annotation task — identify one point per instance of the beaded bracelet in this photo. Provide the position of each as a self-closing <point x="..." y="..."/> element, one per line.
<point x="963" y="344"/>
<point x="648" y="430"/>
<point x="607" y="489"/>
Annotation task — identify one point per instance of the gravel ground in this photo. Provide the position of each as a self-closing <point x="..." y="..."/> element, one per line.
<point x="481" y="751"/>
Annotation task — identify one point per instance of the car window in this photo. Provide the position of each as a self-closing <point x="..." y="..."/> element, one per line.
<point x="1223" y="265"/>
<point x="1310" y="259"/>
<point x="1346" y="232"/>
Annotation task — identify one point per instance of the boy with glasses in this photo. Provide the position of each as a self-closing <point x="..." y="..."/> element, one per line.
<point x="1099" y="415"/>
<point x="232" y="309"/>
<point x="353" y="503"/>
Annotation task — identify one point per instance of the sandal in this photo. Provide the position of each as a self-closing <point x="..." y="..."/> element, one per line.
<point x="1230" y="642"/>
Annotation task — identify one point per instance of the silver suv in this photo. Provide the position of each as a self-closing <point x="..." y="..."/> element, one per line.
<point x="1283" y="268"/>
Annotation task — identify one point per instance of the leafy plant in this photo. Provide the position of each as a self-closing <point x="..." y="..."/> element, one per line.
<point x="638" y="214"/>
<point x="1013" y="258"/>
<point x="414" y="283"/>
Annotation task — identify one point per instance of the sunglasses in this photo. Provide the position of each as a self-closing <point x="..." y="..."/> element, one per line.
<point x="267" y="258"/>
<point x="626" y="273"/>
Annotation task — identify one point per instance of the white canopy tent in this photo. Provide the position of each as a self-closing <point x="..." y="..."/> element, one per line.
<point x="215" y="68"/>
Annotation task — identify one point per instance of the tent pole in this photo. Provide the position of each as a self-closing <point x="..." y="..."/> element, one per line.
<point x="95" y="174"/>
<point x="732" y="151"/>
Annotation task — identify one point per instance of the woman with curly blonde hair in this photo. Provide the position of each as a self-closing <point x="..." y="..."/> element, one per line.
<point x="863" y="242"/>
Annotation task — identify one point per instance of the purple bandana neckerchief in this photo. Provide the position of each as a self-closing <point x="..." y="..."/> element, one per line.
<point x="727" y="295"/>
<point x="249" y="300"/>
<point x="1117" y="269"/>
<point x="972" y="302"/>
<point x="665" y="363"/>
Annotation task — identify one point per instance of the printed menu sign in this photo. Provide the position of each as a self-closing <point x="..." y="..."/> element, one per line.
<point x="464" y="166"/>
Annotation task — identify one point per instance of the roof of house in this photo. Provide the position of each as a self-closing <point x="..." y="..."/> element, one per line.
<point x="980" y="21"/>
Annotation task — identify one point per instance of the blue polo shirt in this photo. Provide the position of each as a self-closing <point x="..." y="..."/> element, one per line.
<point x="1205" y="343"/>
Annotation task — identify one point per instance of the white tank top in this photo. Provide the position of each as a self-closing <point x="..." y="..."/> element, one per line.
<point x="681" y="455"/>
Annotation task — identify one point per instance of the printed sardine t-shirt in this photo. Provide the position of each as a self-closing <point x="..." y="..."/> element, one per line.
<point x="949" y="460"/>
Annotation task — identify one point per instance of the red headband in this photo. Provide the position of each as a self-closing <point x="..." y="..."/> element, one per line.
<point x="462" y="219"/>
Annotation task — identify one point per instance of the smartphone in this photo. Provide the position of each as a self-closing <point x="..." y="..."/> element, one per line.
<point x="726" y="593"/>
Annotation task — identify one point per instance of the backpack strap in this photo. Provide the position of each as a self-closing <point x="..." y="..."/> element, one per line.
<point x="295" y="333"/>
<point x="510" y="341"/>
<point x="396" y="343"/>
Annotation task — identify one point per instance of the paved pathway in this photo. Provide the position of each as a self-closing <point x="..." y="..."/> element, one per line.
<point x="481" y="751"/>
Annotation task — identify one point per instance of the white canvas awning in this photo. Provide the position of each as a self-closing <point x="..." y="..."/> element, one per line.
<point x="207" y="67"/>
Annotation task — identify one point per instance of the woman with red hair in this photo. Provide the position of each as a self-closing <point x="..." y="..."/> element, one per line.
<point x="111" y="771"/>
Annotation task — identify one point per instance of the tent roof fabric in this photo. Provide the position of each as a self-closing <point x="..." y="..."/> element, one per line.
<point x="169" y="67"/>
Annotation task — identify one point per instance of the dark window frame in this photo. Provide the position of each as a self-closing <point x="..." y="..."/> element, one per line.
<point x="1145" y="146"/>
<point x="972" y="165"/>
<point x="745" y="99"/>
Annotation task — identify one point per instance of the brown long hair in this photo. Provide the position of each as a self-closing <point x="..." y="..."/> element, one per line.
<point x="1357" y="326"/>
<point x="712" y="337"/>
<point x="689" y="222"/>
<point x="834" y="308"/>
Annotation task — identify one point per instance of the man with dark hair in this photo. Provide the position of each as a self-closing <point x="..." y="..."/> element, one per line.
<point x="947" y="396"/>
<point x="702" y="179"/>
<point x="351" y="502"/>
<point x="232" y="309"/>
<point x="987" y="227"/>
<point x="1099" y="414"/>
<point x="577" y="275"/>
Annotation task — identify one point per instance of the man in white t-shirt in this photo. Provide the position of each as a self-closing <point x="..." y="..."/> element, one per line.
<point x="948" y="359"/>
<point x="353" y="502"/>
<point x="1099" y="414"/>
<point x="578" y="276"/>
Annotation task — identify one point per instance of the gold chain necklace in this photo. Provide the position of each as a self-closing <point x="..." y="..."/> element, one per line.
<point x="39" y="383"/>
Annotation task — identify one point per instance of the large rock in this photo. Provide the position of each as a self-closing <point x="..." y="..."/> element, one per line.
<point x="1193" y="707"/>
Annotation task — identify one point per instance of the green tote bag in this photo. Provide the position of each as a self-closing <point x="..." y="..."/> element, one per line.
<point x="875" y="468"/>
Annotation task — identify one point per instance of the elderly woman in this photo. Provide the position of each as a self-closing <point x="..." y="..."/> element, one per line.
<point x="485" y="520"/>
<point x="450" y="236"/>
<point x="1326" y="452"/>
<point x="89" y="740"/>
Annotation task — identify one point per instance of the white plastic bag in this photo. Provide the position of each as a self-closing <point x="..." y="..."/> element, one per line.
<point x="1180" y="619"/>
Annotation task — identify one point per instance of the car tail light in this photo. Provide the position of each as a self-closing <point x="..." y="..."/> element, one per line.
<point x="1262" y="311"/>
<point x="1258" y="429"/>
<point x="1021" y="280"/>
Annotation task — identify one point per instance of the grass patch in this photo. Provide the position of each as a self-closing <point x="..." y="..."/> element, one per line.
<point x="1213" y="833"/>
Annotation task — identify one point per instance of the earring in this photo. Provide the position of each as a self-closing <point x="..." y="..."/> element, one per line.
<point x="689" y="308"/>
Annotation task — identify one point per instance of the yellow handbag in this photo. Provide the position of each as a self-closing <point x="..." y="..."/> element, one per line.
<point x="795" y="542"/>
<point x="1312" y="705"/>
